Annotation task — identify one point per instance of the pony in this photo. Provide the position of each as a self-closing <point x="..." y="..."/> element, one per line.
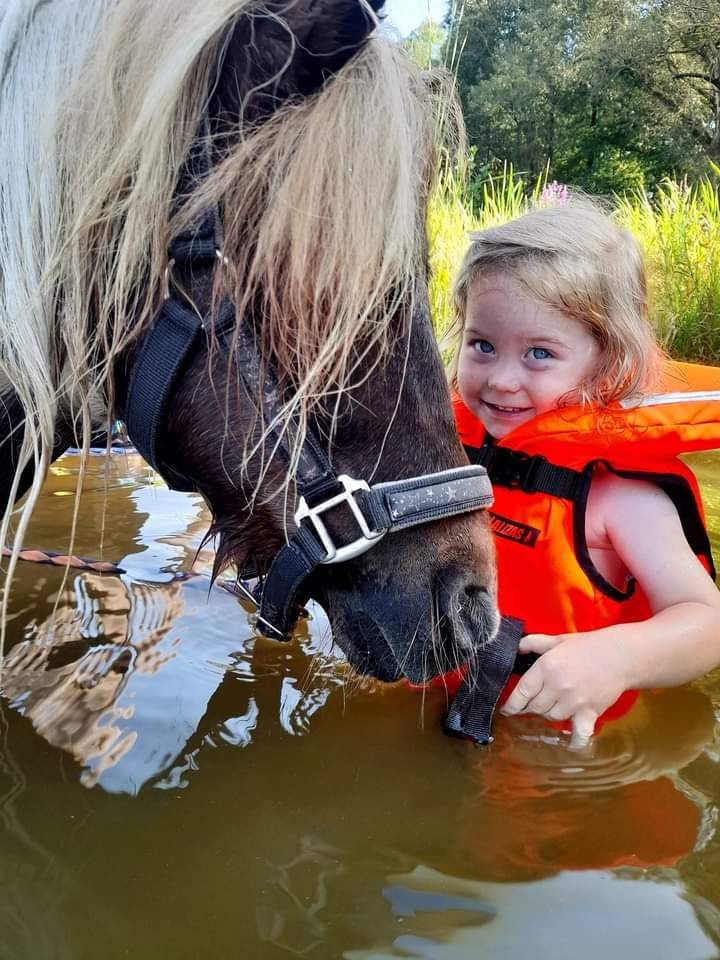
<point x="304" y="141"/>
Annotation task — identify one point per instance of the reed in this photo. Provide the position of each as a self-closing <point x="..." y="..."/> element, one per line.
<point x="678" y="228"/>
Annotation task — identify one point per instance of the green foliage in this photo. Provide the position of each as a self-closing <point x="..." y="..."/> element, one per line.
<point x="449" y="220"/>
<point x="614" y="94"/>
<point x="425" y="44"/>
<point x="678" y="228"/>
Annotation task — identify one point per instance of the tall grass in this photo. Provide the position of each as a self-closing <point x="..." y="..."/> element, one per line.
<point x="678" y="228"/>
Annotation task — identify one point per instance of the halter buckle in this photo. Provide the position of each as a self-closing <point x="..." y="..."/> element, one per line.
<point x="367" y="539"/>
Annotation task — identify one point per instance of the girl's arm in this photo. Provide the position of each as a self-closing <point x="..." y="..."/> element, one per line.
<point x="581" y="675"/>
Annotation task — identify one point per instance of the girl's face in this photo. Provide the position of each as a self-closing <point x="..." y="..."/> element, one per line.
<point x="519" y="358"/>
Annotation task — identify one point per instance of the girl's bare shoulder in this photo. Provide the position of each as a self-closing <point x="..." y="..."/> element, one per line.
<point x="616" y="502"/>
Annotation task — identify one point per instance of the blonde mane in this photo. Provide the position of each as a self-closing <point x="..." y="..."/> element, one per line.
<point x="331" y="192"/>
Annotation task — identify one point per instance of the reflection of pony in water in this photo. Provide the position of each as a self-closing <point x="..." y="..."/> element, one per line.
<point x="90" y="674"/>
<point x="308" y="143"/>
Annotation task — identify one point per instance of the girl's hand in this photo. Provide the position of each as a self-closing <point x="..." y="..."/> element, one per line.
<point x="578" y="676"/>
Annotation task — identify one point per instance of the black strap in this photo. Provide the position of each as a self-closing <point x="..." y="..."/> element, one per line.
<point x="165" y="352"/>
<point x="161" y="358"/>
<point x="200" y="240"/>
<point x="473" y="708"/>
<point x="532" y="474"/>
<point x="168" y="346"/>
<point x="279" y="590"/>
<point x="523" y="662"/>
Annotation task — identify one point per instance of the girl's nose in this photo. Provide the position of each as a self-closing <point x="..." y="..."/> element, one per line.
<point x="504" y="377"/>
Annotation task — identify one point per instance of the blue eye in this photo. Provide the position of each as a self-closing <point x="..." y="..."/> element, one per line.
<point x="483" y="346"/>
<point x="540" y="353"/>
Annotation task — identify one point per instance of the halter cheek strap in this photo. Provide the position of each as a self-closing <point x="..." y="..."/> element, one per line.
<point x="164" y="354"/>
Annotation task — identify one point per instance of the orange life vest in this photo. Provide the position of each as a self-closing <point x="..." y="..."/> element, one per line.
<point x="541" y="474"/>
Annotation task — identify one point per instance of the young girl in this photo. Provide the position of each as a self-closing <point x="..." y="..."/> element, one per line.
<point x="602" y="549"/>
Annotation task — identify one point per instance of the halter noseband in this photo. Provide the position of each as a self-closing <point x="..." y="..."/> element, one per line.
<point x="377" y="509"/>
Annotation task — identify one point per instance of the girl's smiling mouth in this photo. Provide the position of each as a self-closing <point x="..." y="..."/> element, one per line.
<point x="506" y="410"/>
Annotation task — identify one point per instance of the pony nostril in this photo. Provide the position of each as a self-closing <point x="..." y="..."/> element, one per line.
<point x="472" y="599"/>
<point x="468" y="612"/>
<point x="477" y="612"/>
<point x="474" y="592"/>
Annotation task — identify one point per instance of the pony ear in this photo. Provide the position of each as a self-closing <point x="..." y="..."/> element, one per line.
<point x="331" y="36"/>
<point x="289" y="49"/>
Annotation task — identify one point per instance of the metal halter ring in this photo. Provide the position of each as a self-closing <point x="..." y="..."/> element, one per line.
<point x="171" y="263"/>
<point x="367" y="539"/>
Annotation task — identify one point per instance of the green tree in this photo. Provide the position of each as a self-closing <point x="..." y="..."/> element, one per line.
<point x="610" y="93"/>
<point x="681" y="42"/>
<point x="425" y="44"/>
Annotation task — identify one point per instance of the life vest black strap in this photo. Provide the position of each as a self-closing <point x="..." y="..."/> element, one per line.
<point x="533" y="474"/>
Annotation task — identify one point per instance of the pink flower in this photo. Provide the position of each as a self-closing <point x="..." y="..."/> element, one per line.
<point x="554" y="193"/>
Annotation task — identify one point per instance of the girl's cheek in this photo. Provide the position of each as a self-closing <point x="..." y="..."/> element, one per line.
<point x="464" y="365"/>
<point x="469" y="374"/>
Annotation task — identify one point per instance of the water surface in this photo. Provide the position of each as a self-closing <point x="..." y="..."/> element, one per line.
<point x="172" y="785"/>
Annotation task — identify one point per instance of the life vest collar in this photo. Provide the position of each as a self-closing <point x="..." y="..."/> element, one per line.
<point x="668" y="423"/>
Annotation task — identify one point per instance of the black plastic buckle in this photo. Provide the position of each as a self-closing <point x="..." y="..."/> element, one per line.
<point x="509" y="468"/>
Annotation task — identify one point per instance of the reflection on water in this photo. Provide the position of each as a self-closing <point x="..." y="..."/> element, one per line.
<point x="275" y="806"/>
<point x="650" y="919"/>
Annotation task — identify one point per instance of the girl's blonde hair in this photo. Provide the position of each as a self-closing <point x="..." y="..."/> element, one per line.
<point x="572" y="257"/>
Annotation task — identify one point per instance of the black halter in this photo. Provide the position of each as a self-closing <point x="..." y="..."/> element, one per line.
<point x="377" y="510"/>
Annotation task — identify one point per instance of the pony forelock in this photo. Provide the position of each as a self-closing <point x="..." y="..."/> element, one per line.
<point x="99" y="105"/>
<point x="334" y="205"/>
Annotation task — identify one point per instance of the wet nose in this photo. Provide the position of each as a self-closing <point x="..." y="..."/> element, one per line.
<point x="468" y="607"/>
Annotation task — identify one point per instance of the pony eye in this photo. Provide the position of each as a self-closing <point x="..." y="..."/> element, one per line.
<point x="483" y="346"/>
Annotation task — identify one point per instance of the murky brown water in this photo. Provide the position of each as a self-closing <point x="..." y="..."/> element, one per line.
<point x="172" y="786"/>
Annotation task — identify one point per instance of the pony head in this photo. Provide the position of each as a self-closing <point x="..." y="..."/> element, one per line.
<point x="316" y="140"/>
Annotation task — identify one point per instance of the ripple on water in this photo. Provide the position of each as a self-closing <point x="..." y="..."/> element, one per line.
<point x="664" y="732"/>
<point x="538" y="806"/>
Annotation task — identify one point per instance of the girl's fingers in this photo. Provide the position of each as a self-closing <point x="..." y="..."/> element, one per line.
<point x="583" y="728"/>
<point x="545" y="704"/>
<point x="527" y="688"/>
<point x="557" y="712"/>
<point x="538" y="643"/>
